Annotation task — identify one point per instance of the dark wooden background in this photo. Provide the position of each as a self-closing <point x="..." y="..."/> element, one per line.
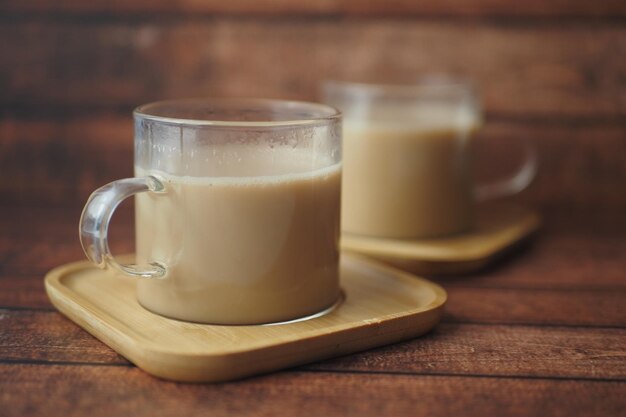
<point x="541" y="333"/>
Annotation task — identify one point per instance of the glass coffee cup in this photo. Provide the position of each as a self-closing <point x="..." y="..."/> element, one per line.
<point x="237" y="210"/>
<point x="408" y="161"/>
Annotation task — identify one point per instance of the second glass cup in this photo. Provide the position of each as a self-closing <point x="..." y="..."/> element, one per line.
<point x="407" y="158"/>
<point x="237" y="210"/>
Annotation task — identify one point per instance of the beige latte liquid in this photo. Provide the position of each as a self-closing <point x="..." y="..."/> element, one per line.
<point x="405" y="180"/>
<point x="258" y="247"/>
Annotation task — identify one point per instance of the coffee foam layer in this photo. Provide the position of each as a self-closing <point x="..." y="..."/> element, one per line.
<point x="235" y="165"/>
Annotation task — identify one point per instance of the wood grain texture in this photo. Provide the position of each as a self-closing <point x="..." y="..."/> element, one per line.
<point x="70" y="390"/>
<point x="54" y="224"/>
<point x="47" y="336"/>
<point x="536" y="71"/>
<point x="452" y="348"/>
<point x="560" y="307"/>
<point x="524" y="351"/>
<point x="20" y="292"/>
<point x="66" y="160"/>
<point x="555" y="263"/>
<point x="61" y="161"/>
<point x="401" y="8"/>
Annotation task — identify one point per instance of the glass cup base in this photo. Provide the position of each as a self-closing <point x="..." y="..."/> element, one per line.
<point x="340" y="299"/>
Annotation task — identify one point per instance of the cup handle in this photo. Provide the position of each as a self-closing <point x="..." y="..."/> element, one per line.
<point x="94" y="224"/>
<point x="513" y="184"/>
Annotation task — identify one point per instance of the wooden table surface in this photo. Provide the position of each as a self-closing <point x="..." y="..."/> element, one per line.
<point x="542" y="332"/>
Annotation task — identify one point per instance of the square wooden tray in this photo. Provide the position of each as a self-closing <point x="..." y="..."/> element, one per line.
<point x="381" y="306"/>
<point x="499" y="228"/>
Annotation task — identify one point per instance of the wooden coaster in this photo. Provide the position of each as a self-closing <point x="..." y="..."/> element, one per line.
<point x="499" y="227"/>
<point x="381" y="306"/>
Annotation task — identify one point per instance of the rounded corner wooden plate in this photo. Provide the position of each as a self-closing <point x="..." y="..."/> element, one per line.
<point x="499" y="227"/>
<point x="382" y="306"/>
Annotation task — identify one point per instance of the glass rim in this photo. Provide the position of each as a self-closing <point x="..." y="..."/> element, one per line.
<point x="327" y="113"/>
<point x="426" y="85"/>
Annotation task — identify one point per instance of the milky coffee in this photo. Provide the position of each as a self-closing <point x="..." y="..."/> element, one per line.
<point x="258" y="247"/>
<point x="409" y="178"/>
